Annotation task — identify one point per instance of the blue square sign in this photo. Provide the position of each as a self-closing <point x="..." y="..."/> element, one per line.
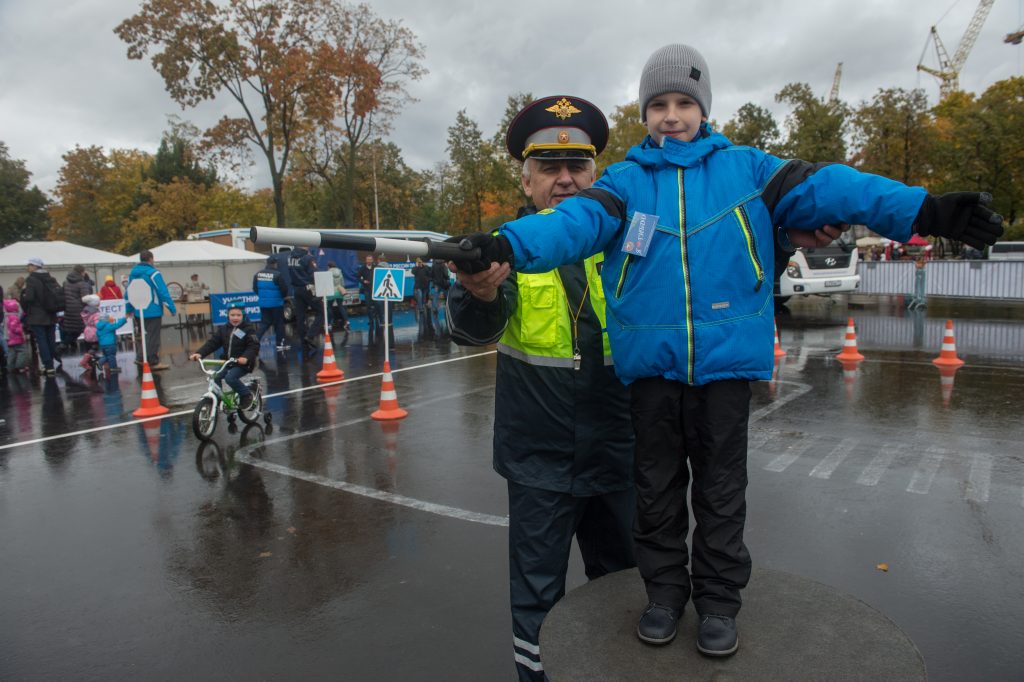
<point x="388" y="284"/>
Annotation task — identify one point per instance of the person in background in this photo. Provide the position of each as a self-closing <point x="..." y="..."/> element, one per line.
<point x="14" y="336"/>
<point x="272" y="290"/>
<point x="365" y="276"/>
<point x="41" y="299"/>
<point x="75" y="287"/>
<point x="196" y="291"/>
<point x="90" y="315"/>
<point x="440" y="278"/>
<point x="110" y="291"/>
<point x="421" y="294"/>
<point x="154" y="312"/>
<point x="336" y="301"/>
<point x="301" y="266"/>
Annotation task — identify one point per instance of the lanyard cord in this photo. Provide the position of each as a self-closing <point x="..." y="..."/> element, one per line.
<point x="576" y="357"/>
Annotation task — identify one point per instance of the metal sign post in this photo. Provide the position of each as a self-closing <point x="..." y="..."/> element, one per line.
<point x="140" y="295"/>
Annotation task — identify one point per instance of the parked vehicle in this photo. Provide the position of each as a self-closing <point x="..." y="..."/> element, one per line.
<point x="1006" y="251"/>
<point x="824" y="270"/>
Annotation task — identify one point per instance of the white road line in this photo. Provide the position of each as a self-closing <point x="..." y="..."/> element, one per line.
<point x="760" y="414"/>
<point x="242" y="455"/>
<point x="921" y="481"/>
<point x="826" y="467"/>
<point x="874" y="471"/>
<point x="979" y="480"/>
<point x="792" y="454"/>
<point x="179" y="413"/>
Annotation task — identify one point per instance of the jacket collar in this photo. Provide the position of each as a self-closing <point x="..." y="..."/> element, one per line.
<point x="676" y="153"/>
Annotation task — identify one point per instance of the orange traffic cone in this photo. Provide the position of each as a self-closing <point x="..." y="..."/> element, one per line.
<point x="947" y="373"/>
<point x="779" y="353"/>
<point x="150" y="406"/>
<point x="389" y="408"/>
<point x="947" y="356"/>
<point x="330" y="372"/>
<point x="849" y="351"/>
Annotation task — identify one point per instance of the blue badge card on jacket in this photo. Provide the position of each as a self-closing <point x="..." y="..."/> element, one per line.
<point x="238" y="334"/>
<point x="640" y="233"/>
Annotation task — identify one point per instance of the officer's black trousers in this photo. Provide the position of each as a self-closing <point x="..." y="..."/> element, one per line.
<point x="541" y="525"/>
<point x="705" y="426"/>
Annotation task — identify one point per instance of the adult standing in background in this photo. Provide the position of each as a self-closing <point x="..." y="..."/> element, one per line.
<point x="270" y="286"/>
<point x="153" y="313"/>
<point x="72" y="326"/>
<point x="336" y="301"/>
<point x="301" y="266"/>
<point x="365" y="276"/>
<point x="421" y="294"/>
<point x="40" y="301"/>
<point x="196" y="291"/>
<point x="110" y="291"/>
<point x="440" y="277"/>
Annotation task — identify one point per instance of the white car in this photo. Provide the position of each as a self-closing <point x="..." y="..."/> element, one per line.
<point x="827" y="270"/>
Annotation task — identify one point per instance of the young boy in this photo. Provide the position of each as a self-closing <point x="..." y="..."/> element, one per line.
<point x="106" y="334"/>
<point x="238" y="341"/>
<point x="686" y="224"/>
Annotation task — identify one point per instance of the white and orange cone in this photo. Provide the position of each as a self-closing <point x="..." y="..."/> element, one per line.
<point x="389" y="408"/>
<point x="150" y="406"/>
<point x="779" y="353"/>
<point x="331" y="371"/>
<point x="947" y="356"/>
<point x="850" y="352"/>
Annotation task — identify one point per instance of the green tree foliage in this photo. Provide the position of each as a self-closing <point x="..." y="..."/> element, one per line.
<point x="753" y="126"/>
<point x="176" y="158"/>
<point x="470" y="160"/>
<point x="22" y="208"/>
<point x="815" y="128"/>
<point x="506" y="171"/>
<point x="893" y="135"/>
<point x="625" y="131"/>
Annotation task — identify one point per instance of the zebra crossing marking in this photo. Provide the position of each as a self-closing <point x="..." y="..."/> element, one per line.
<point x="879" y="464"/>
<point x="827" y="466"/>
<point x="921" y="481"/>
<point x="792" y="454"/>
<point x="980" y="478"/>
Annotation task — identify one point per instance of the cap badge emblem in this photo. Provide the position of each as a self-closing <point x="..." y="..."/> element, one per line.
<point x="563" y="137"/>
<point x="563" y="109"/>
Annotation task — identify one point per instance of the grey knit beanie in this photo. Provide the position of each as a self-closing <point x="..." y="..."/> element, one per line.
<point x="675" y="68"/>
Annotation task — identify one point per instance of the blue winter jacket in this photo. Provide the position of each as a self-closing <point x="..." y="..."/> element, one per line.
<point x="159" y="296"/>
<point x="106" y="331"/>
<point x="270" y="286"/>
<point x="698" y="307"/>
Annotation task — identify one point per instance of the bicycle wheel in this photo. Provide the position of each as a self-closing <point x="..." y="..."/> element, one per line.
<point x="204" y="418"/>
<point x="252" y="415"/>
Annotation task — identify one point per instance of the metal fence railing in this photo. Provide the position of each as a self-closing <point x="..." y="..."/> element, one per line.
<point x="952" y="278"/>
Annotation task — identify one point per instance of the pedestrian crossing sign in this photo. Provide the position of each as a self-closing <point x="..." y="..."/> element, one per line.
<point x="388" y="284"/>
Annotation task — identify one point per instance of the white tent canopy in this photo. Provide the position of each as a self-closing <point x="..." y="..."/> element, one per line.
<point x="222" y="268"/>
<point x="58" y="259"/>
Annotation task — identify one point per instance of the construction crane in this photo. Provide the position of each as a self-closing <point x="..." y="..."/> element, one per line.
<point x="948" y="72"/>
<point x="833" y="96"/>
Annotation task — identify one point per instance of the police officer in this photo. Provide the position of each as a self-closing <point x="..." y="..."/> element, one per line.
<point x="301" y="266"/>
<point x="272" y="290"/>
<point x="562" y="434"/>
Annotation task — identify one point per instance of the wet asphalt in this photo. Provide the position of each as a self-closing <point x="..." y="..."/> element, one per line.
<point x="339" y="547"/>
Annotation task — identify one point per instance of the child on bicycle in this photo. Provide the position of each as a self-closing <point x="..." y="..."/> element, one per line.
<point x="239" y="341"/>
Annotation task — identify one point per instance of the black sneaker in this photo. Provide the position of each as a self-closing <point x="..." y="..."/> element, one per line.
<point x="716" y="635"/>
<point x="247" y="402"/>
<point x="658" y="624"/>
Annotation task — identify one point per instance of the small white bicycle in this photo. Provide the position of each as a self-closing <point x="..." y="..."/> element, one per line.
<point x="219" y="399"/>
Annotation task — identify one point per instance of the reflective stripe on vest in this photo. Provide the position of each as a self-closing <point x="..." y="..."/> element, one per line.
<point x="539" y="332"/>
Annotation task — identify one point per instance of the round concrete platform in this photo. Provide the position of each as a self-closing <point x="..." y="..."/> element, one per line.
<point x="790" y="628"/>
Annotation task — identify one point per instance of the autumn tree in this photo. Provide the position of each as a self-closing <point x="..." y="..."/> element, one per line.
<point x="753" y="126"/>
<point x="285" y="64"/>
<point x="893" y="135"/>
<point x="95" y="193"/>
<point x="626" y="130"/>
<point x="504" y="180"/>
<point x="22" y="208"/>
<point x="815" y="127"/>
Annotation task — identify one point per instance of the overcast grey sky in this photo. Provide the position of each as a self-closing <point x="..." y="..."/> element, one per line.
<point x="65" y="79"/>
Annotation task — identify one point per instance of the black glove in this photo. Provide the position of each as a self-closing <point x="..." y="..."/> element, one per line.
<point x="493" y="249"/>
<point x="963" y="216"/>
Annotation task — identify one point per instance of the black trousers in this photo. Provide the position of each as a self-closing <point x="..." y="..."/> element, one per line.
<point x="541" y="525"/>
<point x="305" y="300"/>
<point x="705" y="426"/>
<point x="272" y="317"/>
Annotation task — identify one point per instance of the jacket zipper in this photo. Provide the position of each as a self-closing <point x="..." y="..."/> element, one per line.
<point x="751" y="242"/>
<point x="622" y="276"/>
<point x="686" y="277"/>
